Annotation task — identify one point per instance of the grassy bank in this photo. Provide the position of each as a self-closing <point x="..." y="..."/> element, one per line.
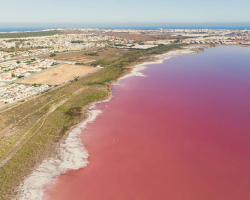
<point x="37" y="126"/>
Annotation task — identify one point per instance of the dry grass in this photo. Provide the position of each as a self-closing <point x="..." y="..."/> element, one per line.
<point x="80" y="56"/>
<point x="141" y="37"/>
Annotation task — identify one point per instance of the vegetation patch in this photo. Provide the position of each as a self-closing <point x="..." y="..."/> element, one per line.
<point x="28" y="34"/>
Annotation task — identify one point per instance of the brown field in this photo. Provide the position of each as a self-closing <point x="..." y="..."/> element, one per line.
<point x="128" y="36"/>
<point x="79" y="56"/>
<point x="59" y="74"/>
<point x="145" y="37"/>
<point x="141" y="37"/>
<point x="78" y="59"/>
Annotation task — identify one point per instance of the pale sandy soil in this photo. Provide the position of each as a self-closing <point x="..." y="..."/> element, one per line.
<point x="5" y="131"/>
<point x="1" y="104"/>
<point x="59" y="74"/>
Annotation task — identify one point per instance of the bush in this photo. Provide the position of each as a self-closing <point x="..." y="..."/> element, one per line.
<point x="76" y="41"/>
<point x="92" y="54"/>
<point x="74" y="112"/>
<point x="120" y="45"/>
<point x="54" y="63"/>
<point x="52" y="55"/>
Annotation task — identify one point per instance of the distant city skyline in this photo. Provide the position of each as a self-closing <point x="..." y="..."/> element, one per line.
<point x="124" y="12"/>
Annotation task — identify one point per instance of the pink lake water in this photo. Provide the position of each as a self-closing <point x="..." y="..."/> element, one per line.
<point x="181" y="133"/>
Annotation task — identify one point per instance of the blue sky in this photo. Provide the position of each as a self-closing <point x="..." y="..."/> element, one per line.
<point x="124" y="11"/>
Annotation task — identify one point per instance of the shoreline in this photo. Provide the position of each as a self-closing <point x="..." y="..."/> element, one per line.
<point x="72" y="155"/>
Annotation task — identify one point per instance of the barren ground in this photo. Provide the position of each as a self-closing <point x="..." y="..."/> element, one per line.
<point x="80" y="56"/>
<point x="59" y="74"/>
<point x="1" y="104"/>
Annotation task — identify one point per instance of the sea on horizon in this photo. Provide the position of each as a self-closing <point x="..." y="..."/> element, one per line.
<point x="34" y="28"/>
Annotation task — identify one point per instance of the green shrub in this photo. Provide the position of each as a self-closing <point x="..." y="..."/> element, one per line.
<point x="53" y="55"/>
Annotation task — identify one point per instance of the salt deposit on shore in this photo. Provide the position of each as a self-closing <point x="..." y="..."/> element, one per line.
<point x="135" y="72"/>
<point x="176" y="53"/>
<point x="72" y="156"/>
